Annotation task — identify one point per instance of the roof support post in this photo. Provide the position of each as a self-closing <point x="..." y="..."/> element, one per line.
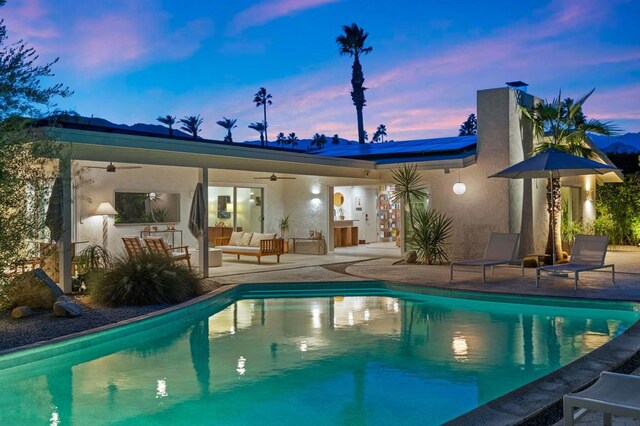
<point x="203" y="240"/>
<point x="64" y="243"/>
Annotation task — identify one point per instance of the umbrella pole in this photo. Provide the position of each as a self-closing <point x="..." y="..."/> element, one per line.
<point x="552" y="218"/>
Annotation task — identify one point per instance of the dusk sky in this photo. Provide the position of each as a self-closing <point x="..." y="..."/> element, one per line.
<point x="131" y="61"/>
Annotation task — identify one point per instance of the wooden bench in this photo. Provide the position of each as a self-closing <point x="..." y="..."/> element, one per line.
<point x="272" y="247"/>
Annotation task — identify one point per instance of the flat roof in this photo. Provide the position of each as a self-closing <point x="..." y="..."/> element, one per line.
<point x="439" y="153"/>
<point x="420" y="150"/>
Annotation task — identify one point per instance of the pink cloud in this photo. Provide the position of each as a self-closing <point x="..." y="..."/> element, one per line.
<point x="108" y="42"/>
<point x="20" y="17"/>
<point x="262" y="13"/>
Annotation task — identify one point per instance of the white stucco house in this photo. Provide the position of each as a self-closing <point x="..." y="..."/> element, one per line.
<point x="242" y="192"/>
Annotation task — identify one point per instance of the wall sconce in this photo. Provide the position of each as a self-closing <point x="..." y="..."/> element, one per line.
<point x="459" y="188"/>
<point x="315" y="188"/>
<point x="106" y="210"/>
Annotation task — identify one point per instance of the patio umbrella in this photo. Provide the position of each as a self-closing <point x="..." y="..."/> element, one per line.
<point x="198" y="210"/>
<point x="553" y="163"/>
<point x="53" y="218"/>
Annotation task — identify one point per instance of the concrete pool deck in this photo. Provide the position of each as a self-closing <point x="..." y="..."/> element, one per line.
<point x="536" y="402"/>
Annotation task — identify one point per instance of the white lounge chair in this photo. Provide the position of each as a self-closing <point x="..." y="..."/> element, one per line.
<point x="588" y="254"/>
<point x="612" y="393"/>
<point x="501" y="250"/>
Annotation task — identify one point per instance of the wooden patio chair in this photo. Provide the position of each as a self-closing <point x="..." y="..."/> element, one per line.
<point x="133" y="245"/>
<point x="159" y="245"/>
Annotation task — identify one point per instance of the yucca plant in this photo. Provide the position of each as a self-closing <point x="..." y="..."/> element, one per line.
<point x="431" y="230"/>
<point x="148" y="279"/>
<point x="408" y="188"/>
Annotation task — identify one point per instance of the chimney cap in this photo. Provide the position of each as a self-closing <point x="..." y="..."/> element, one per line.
<point x="516" y="84"/>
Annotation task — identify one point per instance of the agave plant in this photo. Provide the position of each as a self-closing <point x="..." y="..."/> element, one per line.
<point x="431" y="231"/>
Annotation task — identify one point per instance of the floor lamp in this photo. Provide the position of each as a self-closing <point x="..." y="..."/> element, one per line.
<point x="106" y="210"/>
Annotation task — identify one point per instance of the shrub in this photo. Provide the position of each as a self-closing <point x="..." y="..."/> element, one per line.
<point x="431" y="229"/>
<point x="148" y="279"/>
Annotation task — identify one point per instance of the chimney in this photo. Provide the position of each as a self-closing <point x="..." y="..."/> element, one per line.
<point x="518" y="85"/>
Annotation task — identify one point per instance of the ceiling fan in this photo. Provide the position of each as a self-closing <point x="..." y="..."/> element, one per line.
<point x="274" y="178"/>
<point x="112" y="169"/>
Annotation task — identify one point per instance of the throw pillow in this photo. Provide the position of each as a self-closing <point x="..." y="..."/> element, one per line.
<point x="246" y="239"/>
<point x="255" y="239"/>
<point x="236" y="238"/>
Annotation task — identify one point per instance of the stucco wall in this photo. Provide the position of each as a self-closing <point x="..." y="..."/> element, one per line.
<point x="102" y="187"/>
<point x="307" y="203"/>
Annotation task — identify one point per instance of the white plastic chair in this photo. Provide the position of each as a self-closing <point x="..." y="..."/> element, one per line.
<point x="612" y="394"/>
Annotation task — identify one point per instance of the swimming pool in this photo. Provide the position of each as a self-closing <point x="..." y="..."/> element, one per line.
<point x="290" y="354"/>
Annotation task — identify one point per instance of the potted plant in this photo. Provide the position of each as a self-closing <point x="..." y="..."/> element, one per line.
<point x="283" y="224"/>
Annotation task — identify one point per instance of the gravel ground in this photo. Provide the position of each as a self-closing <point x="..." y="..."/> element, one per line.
<point x="44" y="326"/>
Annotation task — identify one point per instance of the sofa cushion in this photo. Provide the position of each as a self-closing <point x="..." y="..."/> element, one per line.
<point x="236" y="237"/>
<point x="257" y="237"/>
<point x="246" y="239"/>
<point x="239" y="249"/>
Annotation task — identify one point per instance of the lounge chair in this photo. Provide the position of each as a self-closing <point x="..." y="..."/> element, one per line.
<point x="588" y="254"/>
<point x="176" y="254"/>
<point x="501" y="250"/>
<point x="133" y="245"/>
<point x="612" y="393"/>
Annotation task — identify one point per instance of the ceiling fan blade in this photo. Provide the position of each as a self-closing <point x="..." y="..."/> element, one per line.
<point x="262" y="178"/>
<point x="285" y="177"/>
<point x="128" y="167"/>
<point x="94" y="167"/>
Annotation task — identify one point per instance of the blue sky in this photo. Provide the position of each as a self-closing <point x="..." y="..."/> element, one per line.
<point x="131" y="61"/>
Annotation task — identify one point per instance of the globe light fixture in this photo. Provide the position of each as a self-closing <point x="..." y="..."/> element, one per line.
<point x="459" y="188"/>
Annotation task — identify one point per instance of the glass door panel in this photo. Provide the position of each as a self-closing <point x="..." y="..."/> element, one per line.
<point x="221" y="206"/>
<point x="249" y="209"/>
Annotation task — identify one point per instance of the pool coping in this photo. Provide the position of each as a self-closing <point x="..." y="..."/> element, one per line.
<point x="516" y="407"/>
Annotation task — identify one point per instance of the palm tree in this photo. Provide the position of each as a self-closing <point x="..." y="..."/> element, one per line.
<point x="352" y="43"/>
<point x="228" y="124"/>
<point x="318" y="140"/>
<point x="259" y="127"/>
<point x="169" y="121"/>
<point x="380" y="133"/>
<point x="262" y="98"/>
<point x="281" y="139"/>
<point x="191" y="124"/>
<point x="335" y="139"/>
<point x="469" y="127"/>
<point x="562" y="125"/>
<point x="292" y="139"/>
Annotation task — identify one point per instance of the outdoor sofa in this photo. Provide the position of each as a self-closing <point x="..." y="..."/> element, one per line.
<point x="251" y="244"/>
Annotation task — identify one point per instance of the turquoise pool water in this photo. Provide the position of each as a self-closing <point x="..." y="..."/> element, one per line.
<point x="367" y="356"/>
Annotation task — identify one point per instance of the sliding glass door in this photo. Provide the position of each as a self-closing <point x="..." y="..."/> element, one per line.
<point x="249" y="209"/>
<point x="237" y="207"/>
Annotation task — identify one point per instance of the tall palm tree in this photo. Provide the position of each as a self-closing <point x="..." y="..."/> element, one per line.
<point x="318" y="140"/>
<point x="259" y="127"/>
<point x="262" y="98"/>
<point x="380" y="133"/>
<point x="228" y="124"/>
<point x="169" y="121"/>
<point x="292" y="139"/>
<point x="352" y="43"/>
<point x="562" y="125"/>
<point x="281" y="139"/>
<point x="191" y="124"/>
<point x="335" y="139"/>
